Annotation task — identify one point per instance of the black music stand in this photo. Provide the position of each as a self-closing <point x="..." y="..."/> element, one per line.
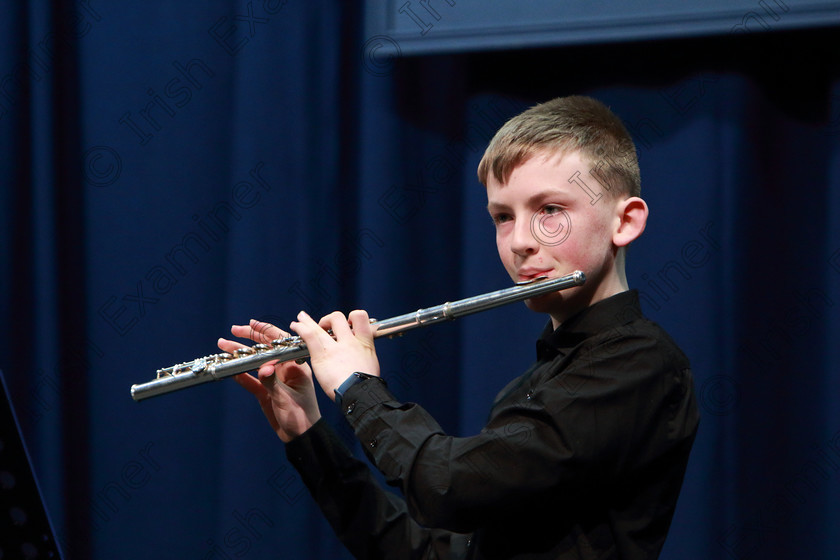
<point x="25" y="528"/>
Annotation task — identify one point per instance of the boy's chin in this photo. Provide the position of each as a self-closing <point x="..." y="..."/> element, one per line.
<point x="559" y="305"/>
<point x="548" y="303"/>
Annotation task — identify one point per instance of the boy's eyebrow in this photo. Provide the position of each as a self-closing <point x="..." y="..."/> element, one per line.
<point x="491" y="206"/>
<point x="532" y="200"/>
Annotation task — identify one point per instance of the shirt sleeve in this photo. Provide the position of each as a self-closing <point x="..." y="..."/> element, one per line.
<point x="370" y="521"/>
<point x="574" y="427"/>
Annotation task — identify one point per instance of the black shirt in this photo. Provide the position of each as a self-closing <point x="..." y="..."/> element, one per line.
<point x="582" y="456"/>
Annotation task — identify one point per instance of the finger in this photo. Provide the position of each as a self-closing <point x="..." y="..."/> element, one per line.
<point x="269" y="382"/>
<point x="229" y="346"/>
<point x="242" y="331"/>
<point x="337" y="322"/>
<point x="317" y="340"/>
<point x="266" y="331"/>
<point x="360" y="322"/>
<point x="267" y="370"/>
<point x="251" y="384"/>
<point x="308" y="329"/>
<point x="258" y="331"/>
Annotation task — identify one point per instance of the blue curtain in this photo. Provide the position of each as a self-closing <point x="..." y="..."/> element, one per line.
<point x="172" y="169"/>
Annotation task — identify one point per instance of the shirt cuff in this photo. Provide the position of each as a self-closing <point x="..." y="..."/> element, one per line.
<point x="363" y="396"/>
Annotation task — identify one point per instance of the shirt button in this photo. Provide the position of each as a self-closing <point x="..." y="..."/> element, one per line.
<point x="529" y="395"/>
<point x="350" y="408"/>
<point x="372" y="443"/>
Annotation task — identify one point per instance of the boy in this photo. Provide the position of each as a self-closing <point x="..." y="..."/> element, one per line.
<point x="584" y="454"/>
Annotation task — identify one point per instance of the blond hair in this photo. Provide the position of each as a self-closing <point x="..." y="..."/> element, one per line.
<point x="567" y="124"/>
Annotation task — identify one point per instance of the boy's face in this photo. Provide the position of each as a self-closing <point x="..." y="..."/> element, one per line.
<point x="547" y="225"/>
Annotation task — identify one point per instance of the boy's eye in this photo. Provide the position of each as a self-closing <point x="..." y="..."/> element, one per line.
<point x="500" y="218"/>
<point x="551" y="209"/>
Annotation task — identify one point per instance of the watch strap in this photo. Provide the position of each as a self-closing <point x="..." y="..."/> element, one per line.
<point x="355" y="377"/>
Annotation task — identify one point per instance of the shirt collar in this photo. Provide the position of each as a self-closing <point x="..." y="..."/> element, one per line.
<point x="614" y="311"/>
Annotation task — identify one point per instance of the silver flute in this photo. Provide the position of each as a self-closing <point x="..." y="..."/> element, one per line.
<point x="219" y="366"/>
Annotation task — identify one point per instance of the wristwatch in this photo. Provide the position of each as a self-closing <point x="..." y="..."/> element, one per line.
<point x="356" y="377"/>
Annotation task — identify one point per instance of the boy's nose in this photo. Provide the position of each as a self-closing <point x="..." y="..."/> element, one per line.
<point x="523" y="241"/>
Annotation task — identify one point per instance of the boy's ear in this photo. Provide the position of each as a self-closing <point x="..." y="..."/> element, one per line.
<point x="632" y="216"/>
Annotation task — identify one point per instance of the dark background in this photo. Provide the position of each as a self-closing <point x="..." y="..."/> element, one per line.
<point x="168" y="170"/>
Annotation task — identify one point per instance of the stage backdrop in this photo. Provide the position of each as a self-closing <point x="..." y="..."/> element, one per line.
<point x="170" y="169"/>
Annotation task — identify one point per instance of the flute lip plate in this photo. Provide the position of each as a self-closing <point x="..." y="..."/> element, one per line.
<point x="531" y="281"/>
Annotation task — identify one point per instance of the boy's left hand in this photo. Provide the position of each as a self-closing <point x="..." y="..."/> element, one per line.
<point x="284" y="390"/>
<point x="335" y="357"/>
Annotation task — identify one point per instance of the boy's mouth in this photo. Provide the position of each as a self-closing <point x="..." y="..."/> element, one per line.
<point x="527" y="274"/>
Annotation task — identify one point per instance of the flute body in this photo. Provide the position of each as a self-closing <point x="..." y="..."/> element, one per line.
<point x="219" y="366"/>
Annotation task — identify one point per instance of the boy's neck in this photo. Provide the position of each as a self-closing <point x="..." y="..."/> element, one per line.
<point x="615" y="283"/>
